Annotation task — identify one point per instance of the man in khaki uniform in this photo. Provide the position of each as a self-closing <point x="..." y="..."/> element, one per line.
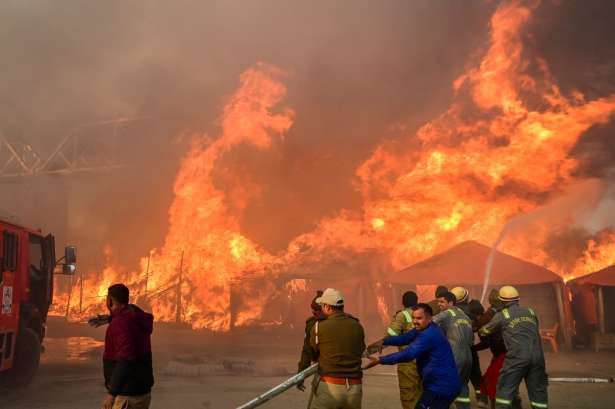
<point x="339" y="342"/>
<point x="410" y="388"/>
<point x="308" y="355"/>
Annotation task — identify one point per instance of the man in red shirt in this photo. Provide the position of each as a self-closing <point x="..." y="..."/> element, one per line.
<point x="127" y="359"/>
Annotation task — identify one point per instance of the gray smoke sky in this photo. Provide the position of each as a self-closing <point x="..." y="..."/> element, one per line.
<point x="355" y="67"/>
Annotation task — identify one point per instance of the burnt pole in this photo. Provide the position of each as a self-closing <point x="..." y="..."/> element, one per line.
<point x="70" y="294"/>
<point x="149" y="260"/>
<point x="81" y="293"/>
<point x="178" y="292"/>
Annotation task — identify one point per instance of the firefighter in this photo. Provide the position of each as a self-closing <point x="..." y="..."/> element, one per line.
<point x="410" y="388"/>
<point x="524" y="357"/>
<point x="495" y="343"/>
<point x="308" y="355"/>
<point x="458" y="329"/>
<point x="473" y="309"/>
<point x="339" y="342"/>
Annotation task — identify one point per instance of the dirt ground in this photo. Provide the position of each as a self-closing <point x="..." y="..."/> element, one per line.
<point x="205" y="372"/>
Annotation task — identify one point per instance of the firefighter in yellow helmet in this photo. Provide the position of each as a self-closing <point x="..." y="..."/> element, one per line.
<point x="524" y="357"/>
<point x="461" y="294"/>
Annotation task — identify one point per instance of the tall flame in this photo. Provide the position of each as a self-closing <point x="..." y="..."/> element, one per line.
<point x="501" y="149"/>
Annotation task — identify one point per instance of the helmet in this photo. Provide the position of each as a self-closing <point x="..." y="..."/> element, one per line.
<point x="508" y="293"/>
<point x="461" y="294"/>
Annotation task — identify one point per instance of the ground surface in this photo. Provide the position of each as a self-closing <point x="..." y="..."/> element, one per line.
<point x="205" y="372"/>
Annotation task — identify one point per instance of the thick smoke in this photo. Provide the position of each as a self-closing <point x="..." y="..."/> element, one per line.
<point x="358" y="71"/>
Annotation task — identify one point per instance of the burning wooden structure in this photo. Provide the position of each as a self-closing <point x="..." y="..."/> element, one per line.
<point x="593" y="297"/>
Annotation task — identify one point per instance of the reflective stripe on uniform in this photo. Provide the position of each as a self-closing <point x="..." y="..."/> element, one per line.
<point x="506" y="313"/>
<point x="316" y="331"/>
<point x="452" y="312"/>
<point x="532" y="311"/>
<point x="539" y="405"/>
<point x="407" y="315"/>
<point x="462" y="400"/>
<point x="391" y="332"/>
<point x="503" y="401"/>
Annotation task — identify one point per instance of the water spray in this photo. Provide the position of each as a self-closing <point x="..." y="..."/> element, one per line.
<point x="494" y="249"/>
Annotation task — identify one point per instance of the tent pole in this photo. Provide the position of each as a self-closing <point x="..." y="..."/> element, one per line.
<point x="562" y="316"/>
<point x="601" y="310"/>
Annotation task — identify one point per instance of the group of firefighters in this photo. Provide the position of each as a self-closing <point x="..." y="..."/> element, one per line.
<point x="437" y="356"/>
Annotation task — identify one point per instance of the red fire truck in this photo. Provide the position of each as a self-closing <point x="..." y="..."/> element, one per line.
<point x="27" y="265"/>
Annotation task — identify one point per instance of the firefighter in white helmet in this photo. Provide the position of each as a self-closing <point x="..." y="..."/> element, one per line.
<point x="524" y="357"/>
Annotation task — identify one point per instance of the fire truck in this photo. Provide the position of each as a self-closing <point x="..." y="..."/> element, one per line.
<point x="27" y="266"/>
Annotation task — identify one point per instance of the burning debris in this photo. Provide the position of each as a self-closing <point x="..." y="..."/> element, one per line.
<point x="500" y="150"/>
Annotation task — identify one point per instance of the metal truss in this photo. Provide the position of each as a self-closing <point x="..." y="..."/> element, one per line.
<point x="89" y="147"/>
<point x="17" y="158"/>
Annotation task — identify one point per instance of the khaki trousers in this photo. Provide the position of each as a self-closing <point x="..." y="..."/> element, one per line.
<point x="331" y="396"/>
<point x="132" y="402"/>
<point x="410" y="387"/>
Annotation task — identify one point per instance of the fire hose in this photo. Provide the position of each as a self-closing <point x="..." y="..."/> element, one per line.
<point x="295" y="379"/>
<point x="582" y="380"/>
<point x="279" y="389"/>
<point x="552" y="379"/>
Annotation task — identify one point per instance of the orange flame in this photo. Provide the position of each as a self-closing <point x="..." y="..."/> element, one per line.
<point x="498" y="151"/>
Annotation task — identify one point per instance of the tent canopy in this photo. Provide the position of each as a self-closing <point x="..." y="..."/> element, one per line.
<point x="605" y="277"/>
<point x="465" y="264"/>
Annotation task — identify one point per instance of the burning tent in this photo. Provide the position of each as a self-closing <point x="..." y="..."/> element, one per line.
<point x="465" y="264"/>
<point x="592" y="296"/>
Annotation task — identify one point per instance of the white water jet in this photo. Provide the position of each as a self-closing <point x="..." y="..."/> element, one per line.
<point x="586" y="204"/>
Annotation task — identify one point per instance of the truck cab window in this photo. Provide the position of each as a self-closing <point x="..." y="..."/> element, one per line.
<point x="36" y="269"/>
<point x="35" y="257"/>
<point x="9" y="251"/>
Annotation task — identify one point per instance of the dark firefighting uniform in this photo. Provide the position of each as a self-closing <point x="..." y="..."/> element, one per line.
<point x="410" y="388"/>
<point x="458" y="328"/>
<point x="473" y="309"/>
<point x="524" y="357"/>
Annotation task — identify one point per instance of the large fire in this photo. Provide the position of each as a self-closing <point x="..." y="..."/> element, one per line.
<point x="501" y="149"/>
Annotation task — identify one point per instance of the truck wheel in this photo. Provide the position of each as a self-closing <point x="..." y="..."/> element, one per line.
<point x="26" y="359"/>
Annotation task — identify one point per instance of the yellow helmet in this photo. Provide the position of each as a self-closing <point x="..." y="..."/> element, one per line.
<point x="508" y="293"/>
<point x="461" y="294"/>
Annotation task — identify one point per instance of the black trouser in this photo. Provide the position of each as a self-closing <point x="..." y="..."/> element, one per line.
<point x="430" y="400"/>
<point x="476" y="375"/>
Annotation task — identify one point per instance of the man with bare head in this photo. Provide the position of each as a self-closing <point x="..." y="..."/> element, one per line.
<point x="434" y="358"/>
<point x="308" y="355"/>
<point x="128" y="353"/>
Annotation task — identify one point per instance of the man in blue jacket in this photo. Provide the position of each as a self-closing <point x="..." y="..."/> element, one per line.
<point x="434" y="359"/>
